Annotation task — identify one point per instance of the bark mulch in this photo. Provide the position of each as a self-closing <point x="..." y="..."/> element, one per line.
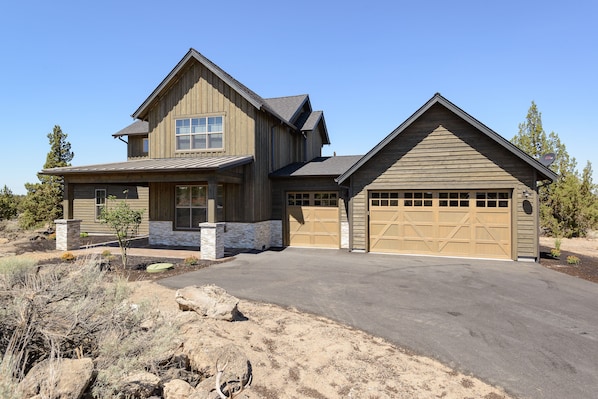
<point x="587" y="268"/>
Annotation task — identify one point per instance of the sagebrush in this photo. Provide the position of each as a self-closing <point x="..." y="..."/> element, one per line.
<point x="76" y="310"/>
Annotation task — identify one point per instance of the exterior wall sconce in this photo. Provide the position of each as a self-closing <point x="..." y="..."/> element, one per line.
<point x="526" y="193"/>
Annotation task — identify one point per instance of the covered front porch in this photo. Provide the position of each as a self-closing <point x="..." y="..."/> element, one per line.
<point x="193" y="202"/>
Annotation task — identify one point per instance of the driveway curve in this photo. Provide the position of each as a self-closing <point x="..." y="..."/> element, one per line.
<point x="527" y="329"/>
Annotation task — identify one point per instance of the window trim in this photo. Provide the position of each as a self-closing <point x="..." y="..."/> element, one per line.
<point x="206" y="134"/>
<point x="220" y="201"/>
<point x="97" y="207"/>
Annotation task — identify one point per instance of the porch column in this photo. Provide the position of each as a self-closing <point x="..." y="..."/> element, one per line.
<point x="68" y="234"/>
<point x="212" y="240"/>
<point x="212" y="199"/>
<point x="67" y="203"/>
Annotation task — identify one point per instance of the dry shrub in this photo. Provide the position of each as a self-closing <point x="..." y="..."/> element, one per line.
<point x="74" y="310"/>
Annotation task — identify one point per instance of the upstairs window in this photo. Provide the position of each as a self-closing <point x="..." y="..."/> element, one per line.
<point x="203" y="133"/>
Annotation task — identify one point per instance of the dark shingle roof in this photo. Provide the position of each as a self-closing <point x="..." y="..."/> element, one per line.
<point x="157" y="165"/>
<point x="136" y="128"/>
<point x="312" y="121"/>
<point x="287" y="107"/>
<point x="321" y="166"/>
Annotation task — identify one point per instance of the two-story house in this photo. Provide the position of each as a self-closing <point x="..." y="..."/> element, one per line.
<point x="200" y="151"/>
<point x="205" y="150"/>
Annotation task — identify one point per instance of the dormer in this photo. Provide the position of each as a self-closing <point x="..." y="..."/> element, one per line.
<point x="137" y="139"/>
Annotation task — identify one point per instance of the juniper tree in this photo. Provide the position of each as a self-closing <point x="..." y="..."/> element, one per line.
<point x="569" y="206"/>
<point x="43" y="202"/>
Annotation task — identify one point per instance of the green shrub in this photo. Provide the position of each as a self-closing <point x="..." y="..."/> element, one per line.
<point x="556" y="253"/>
<point x="191" y="261"/>
<point x="573" y="260"/>
<point x="84" y="234"/>
<point x="557" y="243"/>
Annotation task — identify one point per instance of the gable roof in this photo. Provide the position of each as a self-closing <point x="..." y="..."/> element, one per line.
<point x="320" y="166"/>
<point x="240" y="88"/>
<point x="312" y="122"/>
<point x="137" y="128"/>
<point x="288" y="107"/>
<point x="291" y="107"/>
<point x="439" y="99"/>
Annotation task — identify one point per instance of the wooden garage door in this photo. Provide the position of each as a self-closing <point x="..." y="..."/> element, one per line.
<point x="446" y="223"/>
<point x="313" y="219"/>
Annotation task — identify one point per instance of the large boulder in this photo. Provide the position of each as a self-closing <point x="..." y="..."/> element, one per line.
<point x="140" y="384"/>
<point x="57" y="378"/>
<point x="178" y="389"/>
<point x="208" y="301"/>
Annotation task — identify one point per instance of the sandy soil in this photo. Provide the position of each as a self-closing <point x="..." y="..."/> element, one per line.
<point x="298" y="355"/>
<point x="587" y="246"/>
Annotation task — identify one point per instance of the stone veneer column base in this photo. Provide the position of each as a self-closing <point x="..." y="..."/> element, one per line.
<point x="212" y="240"/>
<point x="68" y="234"/>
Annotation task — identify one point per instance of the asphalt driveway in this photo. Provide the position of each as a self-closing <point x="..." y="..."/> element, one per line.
<point x="520" y="326"/>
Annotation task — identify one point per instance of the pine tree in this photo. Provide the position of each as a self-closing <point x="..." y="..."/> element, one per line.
<point x="569" y="206"/>
<point x="8" y="204"/>
<point x="43" y="202"/>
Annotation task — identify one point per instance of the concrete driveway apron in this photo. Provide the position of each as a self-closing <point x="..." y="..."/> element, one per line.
<point x="520" y="326"/>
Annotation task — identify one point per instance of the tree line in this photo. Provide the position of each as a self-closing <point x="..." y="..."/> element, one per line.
<point x="568" y="207"/>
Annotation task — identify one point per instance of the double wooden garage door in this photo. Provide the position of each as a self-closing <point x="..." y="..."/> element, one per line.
<point x="446" y="223"/>
<point x="313" y="219"/>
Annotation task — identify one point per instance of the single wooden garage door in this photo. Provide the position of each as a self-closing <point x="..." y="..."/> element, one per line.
<point x="446" y="223"/>
<point x="313" y="219"/>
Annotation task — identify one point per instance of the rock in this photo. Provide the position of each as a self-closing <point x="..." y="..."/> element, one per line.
<point x="208" y="301"/>
<point x="63" y="378"/>
<point x="177" y="389"/>
<point x="140" y="385"/>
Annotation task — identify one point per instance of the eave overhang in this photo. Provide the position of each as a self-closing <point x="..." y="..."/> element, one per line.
<point x="166" y="165"/>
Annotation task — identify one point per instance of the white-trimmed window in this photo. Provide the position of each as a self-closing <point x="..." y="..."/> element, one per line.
<point x="145" y="145"/>
<point x="100" y="203"/>
<point x="191" y="206"/>
<point x="201" y="133"/>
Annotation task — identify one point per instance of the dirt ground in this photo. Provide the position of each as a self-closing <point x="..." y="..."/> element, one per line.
<point x="585" y="249"/>
<point x="298" y="355"/>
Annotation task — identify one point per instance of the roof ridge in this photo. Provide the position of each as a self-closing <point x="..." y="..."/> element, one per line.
<point x="281" y="97"/>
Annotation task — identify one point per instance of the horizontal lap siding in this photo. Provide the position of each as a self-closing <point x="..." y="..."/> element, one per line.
<point x="441" y="151"/>
<point x="84" y="205"/>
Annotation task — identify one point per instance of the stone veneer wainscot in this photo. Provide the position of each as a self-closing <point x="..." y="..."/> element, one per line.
<point x="260" y="236"/>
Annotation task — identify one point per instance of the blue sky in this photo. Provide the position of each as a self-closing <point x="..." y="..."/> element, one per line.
<point x="87" y="66"/>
